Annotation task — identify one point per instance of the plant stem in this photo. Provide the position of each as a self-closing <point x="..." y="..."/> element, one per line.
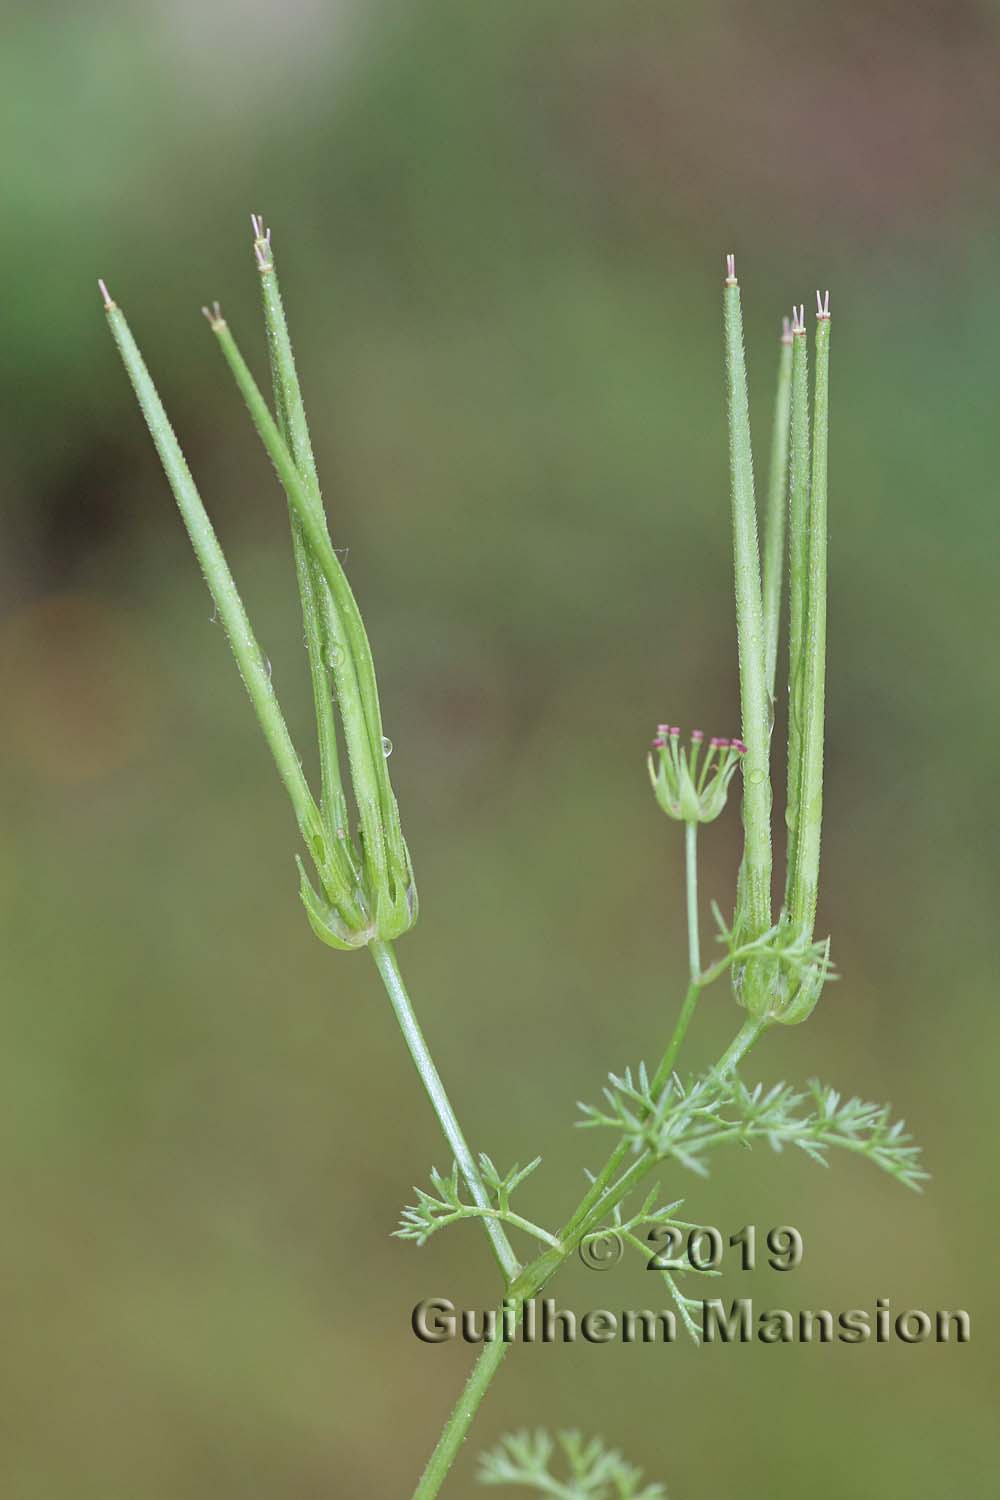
<point x="595" y="1204"/>
<point x="601" y="1194"/>
<point x="527" y="1226"/>
<point x="774" y="531"/>
<point x="535" y="1275"/>
<point x="388" y="968"/>
<point x="601" y="1182"/>
<point x="738" y="1048"/>
<point x="595" y="1193"/>
<point x="684" y="1018"/>
<point x="456" y="1428"/>
<point x="691" y="872"/>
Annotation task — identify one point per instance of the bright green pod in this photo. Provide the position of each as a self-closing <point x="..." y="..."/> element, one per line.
<point x="388" y="889"/>
<point x="777" y="492"/>
<point x="753" y="981"/>
<point x="291" y="418"/>
<point x="798" y="584"/>
<point x="250" y="659"/>
<point x="801" y="983"/>
<point x="754" y="916"/>
<point x="804" y="883"/>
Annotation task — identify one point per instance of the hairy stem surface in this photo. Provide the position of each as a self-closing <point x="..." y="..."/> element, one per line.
<point x="774" y="531"/>
<point x="456" y="1428"/>
<point x="607" y="1190"/>
<point x="798" y="592"/>
<point x="805" y="881"/>
<point x="755" y="874"/>
<point x="291" y="418"/>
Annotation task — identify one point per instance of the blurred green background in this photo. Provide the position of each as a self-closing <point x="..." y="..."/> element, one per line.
<point x="501" y="231"/>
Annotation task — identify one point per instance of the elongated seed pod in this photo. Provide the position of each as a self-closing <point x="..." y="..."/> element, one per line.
<point x="798" y="585"/>
<point x="777" y="492"/>
<point x="755" y="874"/>
<point x="802" y="904"/>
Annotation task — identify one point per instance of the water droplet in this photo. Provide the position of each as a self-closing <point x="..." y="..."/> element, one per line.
<point x="335" y="657"/>
<point x="386" y="746"/>
<point x="756" y="777"/>
<point x="267" y="660"/>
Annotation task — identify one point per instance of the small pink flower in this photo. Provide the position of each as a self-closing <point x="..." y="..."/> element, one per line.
<point x="690" y="785"/>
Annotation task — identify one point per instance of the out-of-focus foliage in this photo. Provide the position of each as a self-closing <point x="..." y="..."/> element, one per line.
<point x="502" y="231"/>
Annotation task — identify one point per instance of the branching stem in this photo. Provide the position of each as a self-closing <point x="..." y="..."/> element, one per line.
<point x="607" y="1190"/>
<point x="384" y="901"/>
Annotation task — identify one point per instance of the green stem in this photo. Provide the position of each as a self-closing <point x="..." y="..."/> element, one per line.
<point x="735" y="1052"/>
<point x="630" y="1180"/>
<point x="741" y="1044"/>
<point x="457" y="1426"/>
<point x="599" y="1187"/>
<point x="755" y="873"/>
<point x="774" y="531"/>
<point x="504" y="1216"/>
<point x="684" y="1019"/>
<point x="535" y="1275"/>
<point x="388" y="968"/>
<point x="606" y="1176"/>
<point x="605" y="1192"/>
<point x="691" y="873"/>
<point x="535" y="1230"/>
